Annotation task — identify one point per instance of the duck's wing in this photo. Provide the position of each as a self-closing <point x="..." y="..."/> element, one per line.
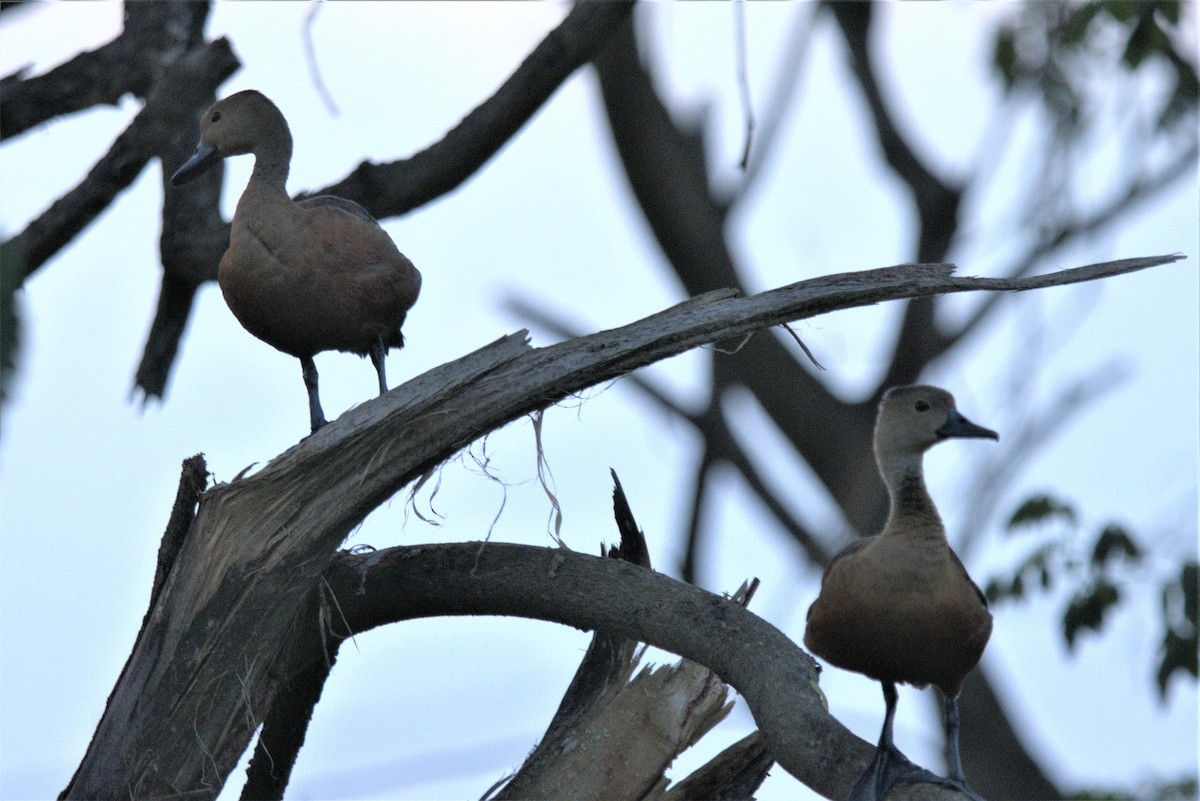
<point x="850" y="549"/>
<point x="967" y="578"/>
<point x="332" y="201"/>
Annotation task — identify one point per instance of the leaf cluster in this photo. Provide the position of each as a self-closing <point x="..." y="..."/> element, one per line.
<point x="1096" y="567"/>
<point x="1181" y="789"/>
<point x="1055" y="48"/>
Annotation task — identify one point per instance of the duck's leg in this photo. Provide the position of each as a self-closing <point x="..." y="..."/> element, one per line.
<point x="378" y="352"/>
<point x="956" y="771"/>
<point x="316" y="417"/>
<point x="956" y="780"/>
<point x="888" y="766"/>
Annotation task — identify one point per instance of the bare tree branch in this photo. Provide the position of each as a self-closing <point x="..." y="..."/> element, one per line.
<point x="935" y="198"/>
<point x="737" y="772"/>
<point x="605" y="669"/>
<point x="154" y="34"/>
<point x="776" y="678"/>
<point x="665" y="169"/>
<point x="196" y="74"/>
<point x="1137" y="192"/>
<point x="390" y="190"/>
<point x="201" y="673"/>
<point x="779" y="100"/>
<point x="193" y="239"/>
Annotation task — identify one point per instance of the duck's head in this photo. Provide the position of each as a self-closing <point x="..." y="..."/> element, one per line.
<point x="913" y="419"/>
<point x="241" y="123"/>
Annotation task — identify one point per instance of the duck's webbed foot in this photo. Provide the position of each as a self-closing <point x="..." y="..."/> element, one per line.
<point x="884" y="772"/>
<point x="889" y="768"/>
<point x="922" y="775"/>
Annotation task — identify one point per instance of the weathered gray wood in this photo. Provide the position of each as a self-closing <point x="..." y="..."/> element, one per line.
<point x="200" y="675"/>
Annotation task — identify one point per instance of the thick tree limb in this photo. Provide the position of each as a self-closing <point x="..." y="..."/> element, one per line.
<point x="200" y="675"/>
<point x="198" y="72"/>
<point x="777" y="679"/>
<point x="285" y="724"/>
<point x="153" y="35"/>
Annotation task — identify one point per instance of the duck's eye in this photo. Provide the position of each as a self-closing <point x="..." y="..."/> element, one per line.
<point x="216" y="115"/>
<point x="921" y="406"/>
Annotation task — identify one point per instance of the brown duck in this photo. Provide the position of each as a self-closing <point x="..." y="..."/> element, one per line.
<point x="303" y="277"/>
<point x="900" y="607"/>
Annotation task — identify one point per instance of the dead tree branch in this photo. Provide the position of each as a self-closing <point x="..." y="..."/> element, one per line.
<point x="777" y="679"/>
<point x="201" y="672"/>
<point x="154" y="34"/>
<point x="166" y="111"/>
<point x="665" y="167"/>
<point x="393" y="189"/>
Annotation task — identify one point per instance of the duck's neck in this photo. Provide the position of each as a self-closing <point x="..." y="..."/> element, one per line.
<point x="911" y="511"/>
<point x="272" y="158"/>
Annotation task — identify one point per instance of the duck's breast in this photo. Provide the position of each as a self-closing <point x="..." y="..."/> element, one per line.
<point x="898" y="616"/>
<point x="319" y="278"/>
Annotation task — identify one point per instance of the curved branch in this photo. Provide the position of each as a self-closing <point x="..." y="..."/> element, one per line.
<point x="777" y="679"/>
<point x="389" y="190"/>
<point x="180" y="717"/>
<point x="936" y="199"/>
<point x="780" y="99"/>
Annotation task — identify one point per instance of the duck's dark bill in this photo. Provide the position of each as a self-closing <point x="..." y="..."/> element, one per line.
<point x="204" y="157"/>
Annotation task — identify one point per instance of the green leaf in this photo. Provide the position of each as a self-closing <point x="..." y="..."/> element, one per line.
<point x="1076" y="27"/>
<point x="1122" y="10"/>
<point x="994" y="591"/>
<point x="1186" y="95"/>
<point x="1180" y="641"/>
<point x="1169" y="9"/>
<point x="1178" y="653"/>
<point x="1114" y="541"/>
<point x="1088" y="608"/>
<point x="1035" y="566"/>
<point x="1145" y="40"/>
<point x="1039" y="508"/>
